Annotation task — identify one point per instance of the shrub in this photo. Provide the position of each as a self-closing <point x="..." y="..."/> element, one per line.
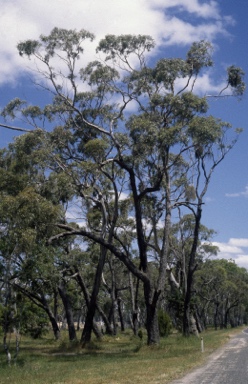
<point x="164" y="323"/>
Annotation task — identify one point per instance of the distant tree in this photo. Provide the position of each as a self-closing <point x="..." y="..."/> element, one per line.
<point x="179" y="263"/>
<point x="221" y="290"/>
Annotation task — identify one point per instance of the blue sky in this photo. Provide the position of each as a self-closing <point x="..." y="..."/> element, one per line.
<point x="174" y="24"/>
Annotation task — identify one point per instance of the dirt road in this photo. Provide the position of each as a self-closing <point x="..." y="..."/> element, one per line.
<point x="229" y="365"/>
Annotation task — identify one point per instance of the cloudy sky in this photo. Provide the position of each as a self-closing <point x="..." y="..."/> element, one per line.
<point x="174" y="24"/>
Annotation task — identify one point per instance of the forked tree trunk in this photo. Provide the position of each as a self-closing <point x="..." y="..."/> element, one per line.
<point x="88" y="326"/>
<point x="84" y="289"/>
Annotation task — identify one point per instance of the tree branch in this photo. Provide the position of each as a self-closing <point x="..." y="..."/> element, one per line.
<point x="15" y="128"/>
<point x="70" y="231"/>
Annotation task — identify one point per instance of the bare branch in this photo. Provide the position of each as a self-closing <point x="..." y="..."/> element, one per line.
<point x="15" y="128"/>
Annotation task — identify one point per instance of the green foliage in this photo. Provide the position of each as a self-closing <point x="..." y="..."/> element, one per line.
<point x="164" y="323"/>
<point x="11" y="109"/>
<point x="206" y="130"/>
<point x="199" y="56"/>
<point x="235" y="79"/>
<point x="28" y="48"/>
<point x="168" y="70"/>
<point x="223" y="285"/>
<point x="96" y="149"/>
<point x="97" y="73"/>
<point x="140" y="334"/>
<point x="125" y="45"/>
<point x="33" y="321"/>
<point x="66" y="40"/>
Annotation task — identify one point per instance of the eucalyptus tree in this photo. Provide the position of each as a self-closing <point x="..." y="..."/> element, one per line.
<point x="118" y="129"/>
<point x="27" y="220"/>
<point x="221" y="292"/>
<point x="179" y="260"/>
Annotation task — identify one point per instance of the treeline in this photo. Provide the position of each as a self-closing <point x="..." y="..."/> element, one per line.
<point x="101" y="203"/>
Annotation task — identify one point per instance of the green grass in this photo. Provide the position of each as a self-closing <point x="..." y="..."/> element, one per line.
<point x="118" y="360"/>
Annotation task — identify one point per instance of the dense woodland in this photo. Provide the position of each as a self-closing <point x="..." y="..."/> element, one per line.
<point x="102" y="195"/>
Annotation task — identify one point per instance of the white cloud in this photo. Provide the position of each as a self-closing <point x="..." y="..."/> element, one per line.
<point x="238" y="194"/>
<point x="209" y="199"/>
<point x="205" y="10"/>
<point x="124" y="196"/>
<point x="25" y="19"/>
<point x="204" y="85"/>
<point x="235" y="249"/>
<point x="242" y="261"/>
<point x="179" y="32"/>
<point x="238" y="242"/>
<point x="227" y="248"/>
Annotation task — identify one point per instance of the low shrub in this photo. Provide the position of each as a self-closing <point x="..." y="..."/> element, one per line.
<point x="164" y="323"/>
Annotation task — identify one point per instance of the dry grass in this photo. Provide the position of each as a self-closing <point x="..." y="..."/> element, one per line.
<point x="120" y="360"/>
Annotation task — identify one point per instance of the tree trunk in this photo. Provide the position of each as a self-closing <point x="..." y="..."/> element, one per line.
<point x="216" y="316"/>
<point x="107" y="324"/>
<point x="88" y="325"/>
<point x="199" y="321"/>
<point x="55" y="327"/>
<point x="120" y="314"/>
<point x="226" y="318"/>
<point x="113" y="295"/>
<point x="68" y="311"/>
<point x="191" y="270"/>
<point x="153" y="336"/>
<point x="84" y="289"/>
<point x="55" y="304"/>
<point x="151" y="300"/>
<point x="44" y="305"/>
<point x="186" y="315"/>
<point x="193" y="326"/>
<point x="134" y="301"/>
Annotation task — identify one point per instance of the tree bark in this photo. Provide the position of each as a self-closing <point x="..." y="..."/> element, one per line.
<point x="151" y="299"/>
<point x="55" y="327"/>
<point x="84" y="289"/>
<point x="120" y="314"/>
<point x="68" y="311"/>
<point x="88" y="325"/>
<point x="216" y="312"/>
<point x="134" y="301"/>
<point x="191" y="270"/>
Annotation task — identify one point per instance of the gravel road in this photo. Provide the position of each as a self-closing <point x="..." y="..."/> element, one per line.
<point x="229" y="365"/>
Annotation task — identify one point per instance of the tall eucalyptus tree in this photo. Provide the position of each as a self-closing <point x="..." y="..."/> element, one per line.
<point x="123" y="132"/>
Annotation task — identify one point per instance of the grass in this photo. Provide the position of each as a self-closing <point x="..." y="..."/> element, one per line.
<point x="118" y="360"/>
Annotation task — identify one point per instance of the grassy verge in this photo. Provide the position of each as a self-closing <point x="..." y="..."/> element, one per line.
<point x="120" y="360"/>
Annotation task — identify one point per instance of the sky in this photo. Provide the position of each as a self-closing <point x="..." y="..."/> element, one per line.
<point x="174" y="25"/>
